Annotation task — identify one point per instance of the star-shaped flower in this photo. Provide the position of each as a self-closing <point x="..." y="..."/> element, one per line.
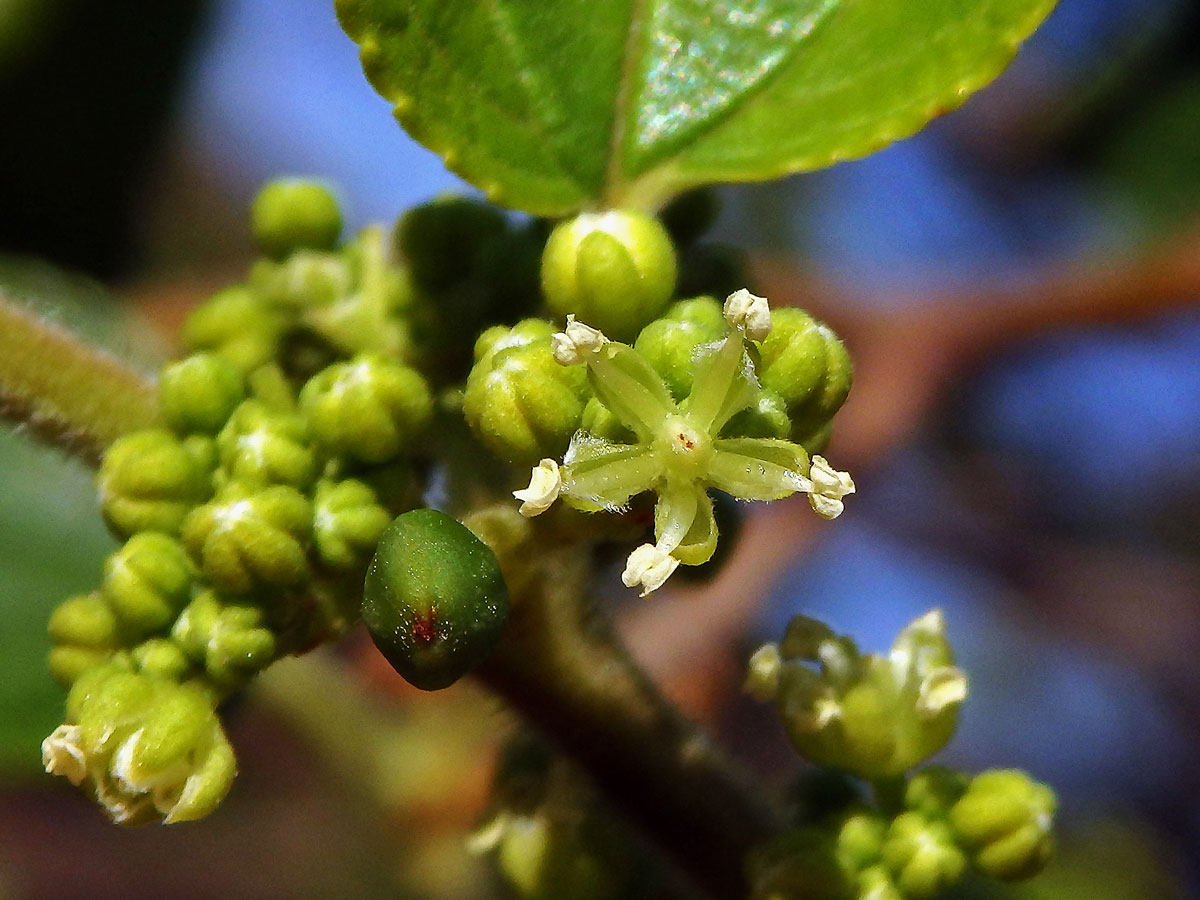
<point x="678" y="452"/>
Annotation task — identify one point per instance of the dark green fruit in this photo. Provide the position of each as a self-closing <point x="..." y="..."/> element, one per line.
<point x="434" y="601"/>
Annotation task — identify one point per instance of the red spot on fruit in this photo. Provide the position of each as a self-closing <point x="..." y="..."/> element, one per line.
<point x="424" y="628"/>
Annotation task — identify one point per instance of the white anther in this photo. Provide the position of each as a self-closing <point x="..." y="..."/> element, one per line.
<point x="577" y="344"/>
<point x="544" y="485"/>
<point x="829" y="486"/>
<point x="750" y="313"/>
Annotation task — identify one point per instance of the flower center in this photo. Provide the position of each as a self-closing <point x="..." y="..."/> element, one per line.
<point x="687" y="450"/>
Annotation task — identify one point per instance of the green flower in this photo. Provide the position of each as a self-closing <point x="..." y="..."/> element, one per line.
<point x="876" y="716"/>
<point x="678" y="452"/>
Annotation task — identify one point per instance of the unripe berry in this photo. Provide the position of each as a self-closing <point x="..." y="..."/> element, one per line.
<point x="347" y="523"/>
<point x="245" y="541"/>
<point x="614" y="270"/>
<point x="292" y="213"/>
<point x="521" y="403"/>
<point x="148" y="481"/>
<point x="1005" y="821"/>
<point x="922" y="856"/>
<point x="435" y="601"/>
<point x="237" y="324"/>
<point x="198" y="393"/>
<point x="260" y="446"/>
<point x="147" y="582"/>
<point x="370" y="408"/>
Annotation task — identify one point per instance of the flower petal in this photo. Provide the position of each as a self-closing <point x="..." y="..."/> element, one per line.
<point x="684" y="524"/>
<point x="758" y="468"/>
<point x="724" y="383"/>
<point x="598" y="474"/>
<point x="630" y="388"/>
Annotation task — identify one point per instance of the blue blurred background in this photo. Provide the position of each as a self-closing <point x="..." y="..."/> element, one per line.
<point x="1050" y="505"/>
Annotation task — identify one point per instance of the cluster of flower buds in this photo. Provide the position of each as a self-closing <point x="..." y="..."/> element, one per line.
<point x="680" y="412"/>
<point x="249" y="519"/>
<point x="876" y="718"/>
<point x="998" y="824"/>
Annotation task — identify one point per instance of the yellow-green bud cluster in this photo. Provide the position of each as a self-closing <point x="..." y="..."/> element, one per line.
<point x="941" y="825"/>
<point x="249" y="519"/>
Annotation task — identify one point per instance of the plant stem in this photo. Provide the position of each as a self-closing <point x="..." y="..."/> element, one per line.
<point x="68" y="393"/>
<point x="562" y="668"/>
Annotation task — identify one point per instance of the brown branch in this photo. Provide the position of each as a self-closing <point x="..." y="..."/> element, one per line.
<point x="560" y="667"/>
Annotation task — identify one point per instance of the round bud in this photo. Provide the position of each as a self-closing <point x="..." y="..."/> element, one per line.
<point x="670" y="343"/>
<point x="614" y="270"/>
<point x="932" y="791"/>
<point x="261" y="446"/>
<point x="521" y="403"/>
<point x="292" y="213"/>
<point x="875" y="883"/>
<point x="808" y="417"/>
<point x="237" y="324"/>
<point x="441" y="239"/>
<point x="434" y="601"/>
<point x="147" y="582"/>
<point x="148" y="481"/>
<point x="369" y="409"/>
<point x="228" y="640"/>
<point x="860" y="840"/>
<point x="347" y="523"/>
<point x="198" y="393"/>
<point x="922" y="856"/>
<point x="1005" y="820"/>
<point x="245" y="541"/>
<point x="793" y="357"/>
<point x="161" y="658"/>
<point x="85" y="633"/>
<point x="306" y="280"/>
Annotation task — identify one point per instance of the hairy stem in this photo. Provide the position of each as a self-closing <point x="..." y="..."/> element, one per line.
<point x="68" y="393"/>
<point x="562" y="668"/>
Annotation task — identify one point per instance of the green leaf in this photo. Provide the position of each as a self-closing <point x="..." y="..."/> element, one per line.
<point x="551" y="107"/>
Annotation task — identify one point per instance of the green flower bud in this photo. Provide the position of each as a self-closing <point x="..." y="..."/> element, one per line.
<point x="793" y="356"/>
<point x="237" y="324"/>
<point x="860" y="840"/>
<point x="504" y="337"/>
<point x="308" y="279"/>
<point x="614" y="270"/>
<point x="347" y="523"/>
<point x="260" y="446"/>
<point x="875" y="883"/>
<point x="871" y="715"/>
<point x="228" y="640"/>
<point x="922" y="856"/>
<point x="521" y="403"/>
<point x="198" y="393"/>
<point x="245" y="541"/>
<point x="811" y="416"/>
<point x="85" y="633"/>
<point x="369" y="409"/>
<point x="1005" y="820"/>
<point x="932" y="791"/>
<point x="435" y="601"/>
<point x="143" y="747"/>
<point x="767" y="418"/>
<point x="669" y="343"/>
<point x="161" y="658"/>
<point x="291" y="213"/>
<point x="600" y="421"/>
<point x="149" y="480"/>
<point x="147" y="582"/>
<point x="437" y="237"/>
